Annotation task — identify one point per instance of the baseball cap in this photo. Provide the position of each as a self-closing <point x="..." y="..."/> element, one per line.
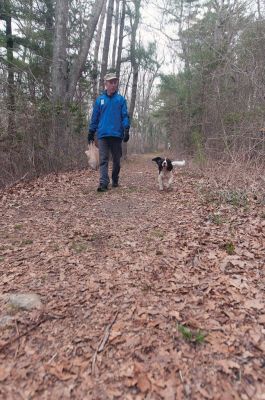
<point x="110" y="76"/>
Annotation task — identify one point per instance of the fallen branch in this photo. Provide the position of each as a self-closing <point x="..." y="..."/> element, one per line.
<point x="17" y="181"/>
<point x="102" y="343"/>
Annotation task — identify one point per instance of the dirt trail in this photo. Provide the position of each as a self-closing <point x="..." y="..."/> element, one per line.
<point x="146" y="295"/>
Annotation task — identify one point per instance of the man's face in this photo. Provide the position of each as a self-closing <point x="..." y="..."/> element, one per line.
<point x="111" y="86"/>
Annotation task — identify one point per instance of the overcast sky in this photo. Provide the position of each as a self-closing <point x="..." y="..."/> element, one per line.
<point x="151" y="31"/>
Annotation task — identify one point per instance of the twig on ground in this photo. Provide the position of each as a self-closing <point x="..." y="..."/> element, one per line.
<point x="17" y="181"/>
<point x="107" y="333"/>
<point x="18" y="333"/>
<point x="52" y="358"/>
<point x="14" y="339"/>
<point x="181" y="377"/>
<point x="102" y="343"/>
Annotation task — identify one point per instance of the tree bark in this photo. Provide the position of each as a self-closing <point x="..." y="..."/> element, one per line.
<point x="10" y="79"/>
<point x="105" y="54"/>
<point x="185" y="45"/>
<point x="134" y="61"/>
<point x="97" y="44"/>
<point x="115" y="33"/>
<point x="259" y="10"/>
<point x="5" y="15"/>
<point x="119" y="52"/>
<point x="49" y="20"/>
<point x="80" y="61"/>
<point x="59" y="63"/>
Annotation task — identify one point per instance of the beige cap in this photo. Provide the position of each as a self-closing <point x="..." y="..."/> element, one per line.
<point x="110" y="76"/>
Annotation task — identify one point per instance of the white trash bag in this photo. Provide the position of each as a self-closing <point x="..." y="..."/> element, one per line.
<point x="93" y="156"/>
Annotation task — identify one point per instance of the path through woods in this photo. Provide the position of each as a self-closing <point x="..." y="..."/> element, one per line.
<point x="146" y="295"/>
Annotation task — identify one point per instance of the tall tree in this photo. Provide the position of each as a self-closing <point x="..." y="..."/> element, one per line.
<point x="59" y="64"/>
<point x="105" y="52"/>
<point x="135" y="18"/>
<point x="79" y="62"/>
<point x="96" y="50"/>
<point x="120" y="42"/>
<point x="116" y="25"/>
<point x="66" y="75"/>
<point x="5" y="14"/>
<point x="48" y="16"/>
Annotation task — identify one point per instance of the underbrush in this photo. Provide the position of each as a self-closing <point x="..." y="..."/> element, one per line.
<point x="235" y="183"/>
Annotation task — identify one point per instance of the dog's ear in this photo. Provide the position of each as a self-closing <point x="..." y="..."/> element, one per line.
<point x="169" y="164"/>
<point x="157" y="160"/>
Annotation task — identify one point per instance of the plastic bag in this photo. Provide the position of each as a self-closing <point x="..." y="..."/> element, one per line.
<point x="93" y="156"/>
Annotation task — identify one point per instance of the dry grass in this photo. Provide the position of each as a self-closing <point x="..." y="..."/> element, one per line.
<point x="248" y="177"/>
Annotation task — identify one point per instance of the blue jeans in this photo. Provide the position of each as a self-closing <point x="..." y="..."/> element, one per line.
<point x="106" y="146"/>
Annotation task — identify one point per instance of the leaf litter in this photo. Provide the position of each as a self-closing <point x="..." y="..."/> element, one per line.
<point x="118" y="274"/>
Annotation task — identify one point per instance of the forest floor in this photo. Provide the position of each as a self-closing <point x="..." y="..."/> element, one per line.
<point x="146" y="294"/>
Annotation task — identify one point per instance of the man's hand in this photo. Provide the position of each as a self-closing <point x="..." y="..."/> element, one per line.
<point x="91" y="137"/>
<point x="126" y="136"/>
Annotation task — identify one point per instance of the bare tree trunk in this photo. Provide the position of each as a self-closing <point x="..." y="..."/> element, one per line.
<point x="10" y="79"/>
<point x="148" y="86"/>
<point x="97" y="44"/>
<point x="47" y="47"/>
<point x="80" y="61"/>
<point x="115" y="33"/>
<point x="134" y="61"/>
<point x="185" y="45"/>
<point x="5" y="15"/>
<point x="259" y="11"/>
<point x="128" y="78"/>
<point x="122" y="21"/>
<point x="59" y="63"/>
<point x="59" y="81"/>
<point x="105" y="54"/>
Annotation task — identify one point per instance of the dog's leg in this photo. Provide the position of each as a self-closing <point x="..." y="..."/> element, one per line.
<point x="170" y="181"/>
<point x="160" y="182"/>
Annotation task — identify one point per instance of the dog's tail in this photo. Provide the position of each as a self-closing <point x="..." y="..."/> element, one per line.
<point x="178" y="163"/>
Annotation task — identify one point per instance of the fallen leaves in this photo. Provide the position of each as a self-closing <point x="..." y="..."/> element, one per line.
<point x="228" y="366"/>
<point x="161" y="260"/>
<point x="4" y="373"/>
<point x="60" y="371"/>
<point x="143" y="383"/>
<point x="257" y="304"/>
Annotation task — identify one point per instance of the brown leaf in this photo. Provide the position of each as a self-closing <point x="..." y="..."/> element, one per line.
<point x="143" y="383"/>
<point x="255" y="303"/>
<point x="228" y="365"/>
<point x="4" y="373"/>
<point x="175" y="314"/>
<point x="262" y="319"/>
<point x="59" y="371"/>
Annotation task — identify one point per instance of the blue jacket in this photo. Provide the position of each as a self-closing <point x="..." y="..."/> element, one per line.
<point x="110" y="116"/>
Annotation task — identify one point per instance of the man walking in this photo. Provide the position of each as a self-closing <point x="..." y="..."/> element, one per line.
<point x="111" y="122"/>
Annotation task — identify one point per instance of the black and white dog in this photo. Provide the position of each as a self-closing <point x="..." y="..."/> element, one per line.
<point x="165" y="171"/>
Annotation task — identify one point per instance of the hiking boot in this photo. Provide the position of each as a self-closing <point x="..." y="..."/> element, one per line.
<point x="115" y="184"/>
<point x="102" y="188"/>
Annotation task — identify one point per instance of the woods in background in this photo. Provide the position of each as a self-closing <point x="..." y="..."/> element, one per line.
<point x="54" y="54"/>
<point x="214" y="104"/>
